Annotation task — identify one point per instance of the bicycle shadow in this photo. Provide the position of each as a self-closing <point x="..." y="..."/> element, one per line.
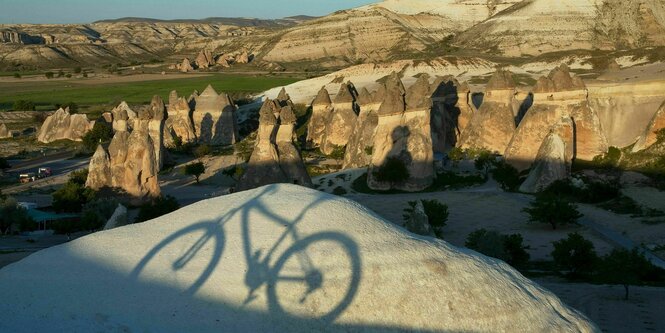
<point x="281" y="264"/>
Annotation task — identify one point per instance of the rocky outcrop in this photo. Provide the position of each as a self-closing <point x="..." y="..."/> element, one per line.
<point x="123" y="117"/>
<point x="321" y="111"/>
<point x="451" y="112"/>
<point x="185" y="66"/>
<point x="156" y="116"/>
<point x="204" y="59"/>
<point x="404" y="132"/>
<point x="99" y="172"/>
<point x="290" y="160"/>
<point x="275" y="158"/>
<point x="4" y="131"/>
<point x="650" y="135"/>
<point x="553" y="161"/>
<point x="418" y="222"/>
<point x="118" y="219"/>
<point x="554" y="96"/>
<point x="214" y="117"/>
<point x="342" y="119"/>
<point x="179" y="122"/>
<point x="493" y="126"/>
<point x="361" y="143"/>
<point x="243" y="58"/>
<point x="64" y="126"/>
<point x="263" y="166"/>
<point x="590" y="140"/>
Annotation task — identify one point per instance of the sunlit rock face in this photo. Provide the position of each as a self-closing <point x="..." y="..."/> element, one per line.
<point x="341" y="120"/>
<point x="214" y="118"/>
<point x="64" y="126"/>
<point x="278" y="258"/>
<point x="321" y="111"/>
<point x="650" y="135"/>
<point x="275" y="158"/>
<point x="179" y="122"/>
<point x="404" y="132"/>
<point x="493" y="126"/>
<point x="361" y="143"/>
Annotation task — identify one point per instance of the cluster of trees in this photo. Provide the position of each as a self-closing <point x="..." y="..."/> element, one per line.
<point x="13" y="217"/>
<point x="509" y="248"/>
<point x="577" y="258"/>
<point x="101" y="133"/>
<point x="488" y="164"/>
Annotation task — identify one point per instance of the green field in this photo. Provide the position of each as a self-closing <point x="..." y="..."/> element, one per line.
<point x="45" y="94"/>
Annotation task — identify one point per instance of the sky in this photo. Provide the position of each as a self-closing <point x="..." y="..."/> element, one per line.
<point x="86" y="11"/>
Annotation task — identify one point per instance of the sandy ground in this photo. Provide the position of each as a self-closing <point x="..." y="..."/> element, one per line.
<point x="642" y="312"/>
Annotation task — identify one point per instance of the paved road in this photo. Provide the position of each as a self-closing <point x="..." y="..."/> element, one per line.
<point x="60" y="165"/>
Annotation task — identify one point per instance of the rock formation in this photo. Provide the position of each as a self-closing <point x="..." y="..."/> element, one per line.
<point x="404" y="132"/>
<point x="492" y="127"/>
<point x="243" y="58"/>
<point x="290" y="160"/>
<point x="64" y="126"/>
<point x="156" y="118"/>
<point x="99" y="173"/>
<point x="123" y="117"/>
<point x="351" y="271"/>
<point x="451" y="112"/>
<point x="186" y="66"/>
<point x="342" y="119"/>
<point x="214" y="117"/>
<point x="554" y="97"/>
<point x="179" y="122"/>
<point x="650" y="135"/>
<point x="263" y="166"/>
<point x="4" y="131"/>
<point x="554" y="159"/>
<point x="321" y="111"/>
<point x="118" y="219"/>
<point x="418" y="222"/>
<point x="590" y="140"/>
<point x="204" y="59"/>
<point x="361" y="143"/>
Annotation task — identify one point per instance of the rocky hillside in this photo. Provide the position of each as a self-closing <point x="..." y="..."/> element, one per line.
<point x="385" y="31"/>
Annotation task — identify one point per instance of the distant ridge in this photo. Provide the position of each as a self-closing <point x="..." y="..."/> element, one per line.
<point x="236" y="21"/>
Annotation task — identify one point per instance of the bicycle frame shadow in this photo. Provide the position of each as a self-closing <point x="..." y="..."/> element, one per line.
<point x="264" y="263"/>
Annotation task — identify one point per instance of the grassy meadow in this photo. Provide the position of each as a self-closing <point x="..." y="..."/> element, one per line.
<point x="45" y="94"/>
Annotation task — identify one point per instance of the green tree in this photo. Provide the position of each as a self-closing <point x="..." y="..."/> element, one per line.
<point x="393" y="171"/>
<point x="100" y="133"/>
<point x="552" y="210"/>
<point x="509" y="248"/>
<point x="456" y="155"/>
<point x="195" y="169"/>
<point x="49" y="75"/>
<point x="13" y="215"/>
<point x="626" y="267"/>
<point x="437" y="213"/>
<point x="338" y="154"/>
<point x="507" y="176"/>
<point x="78" y="70"/>
<point x="157" y="207"/>
<point x="17" y="75"/>
<point x="484" y="162"/>
<point x="575" y="254"/>
<point x="73" y="195"/>
<point x="23" y="105"/>
<point x="202" y="151"/>
<point x="61" y="73"/>
<point x="235" y="172"/>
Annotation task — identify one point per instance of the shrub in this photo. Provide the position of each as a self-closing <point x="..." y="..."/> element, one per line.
<point x="17" y="75"/>
<point x="552" y="210"/>
<point x="393" y="171"/>
<point x="202" y="151"/>
<point x="157" y="207"/>
<point x="23" y="105"/>
<point x="610" y="159"/>
<point x="484" y="162"/>
<point x="437" y="213"/>
<point x="627" y="267"/>
<point x="507" y="176"/>
<point x="592" y="191"/>
<point x="339" y="191"/>
<point x="449" y="179"/>
<point x="195" y="169"/>
<point x="78" y="70"/>
<point x="49" y="75"/>
<point x="100" y="133"/>
<point x="61" y="73"/>
<point x="73" y="195"/>
<point x="575" y="254"/>
<point x="369" y="150"/>
<point x="234" y="172"/>
<point x="338" y="153"/>
<point x="509" y="248"/>
<point x="456" y="155"/>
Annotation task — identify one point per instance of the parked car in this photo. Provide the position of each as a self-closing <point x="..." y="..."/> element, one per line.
<point x="27" y="177"/>
<point x="44" y="172"/>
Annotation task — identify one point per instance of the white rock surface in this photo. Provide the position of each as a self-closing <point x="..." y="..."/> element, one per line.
<point x="189" y="272"/>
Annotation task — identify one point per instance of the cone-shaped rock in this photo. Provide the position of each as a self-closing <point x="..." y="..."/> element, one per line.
<point x="290" y="160"/>
<point x="342" y="120"/>
<point x="361" y="143"/>
<point x="99" y="172"/>
<point x="321" y="112"/>
<point x="4" y="131"/>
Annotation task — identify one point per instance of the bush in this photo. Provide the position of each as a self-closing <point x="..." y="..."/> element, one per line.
<point x="507" y="176"/>
<point x="484" y="162"/>
<point x="157" y="207"/>
<point x="369" y="150"/>
<point x="456" y="155"/>
<point x="100" y="133"/>
<point x="437" y="213"/>
<point x="509" y="248"/>
<point x="610" y="159"/>
<point x="195" y="169"/>
<point x="339" y="191"/>
<point x="23" y="105"/>
<point x="575" y="255"/>
<point x="17" y="75"/>
<point x="13" y="215"/>
<point x="78" y="70"/>
<point x="552" y="210"/>
<point x="201" y="151"/>
<point x="592" y="192"/>
<point x="61" y="73"/>
<point x="627" y="268"/>
<point x="338" y="153"/>
<point x="49" y="75"/>
<point x="73" y="195"/>
<point x="393" y="171"/>
<point x="451" y="180"/>
<point x="235" y="172"/>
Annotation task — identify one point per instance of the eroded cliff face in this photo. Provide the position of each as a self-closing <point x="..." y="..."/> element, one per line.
<point x="451" y="112"/>
<point x="64" y="126"/>
<point x="492" y="127"/>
